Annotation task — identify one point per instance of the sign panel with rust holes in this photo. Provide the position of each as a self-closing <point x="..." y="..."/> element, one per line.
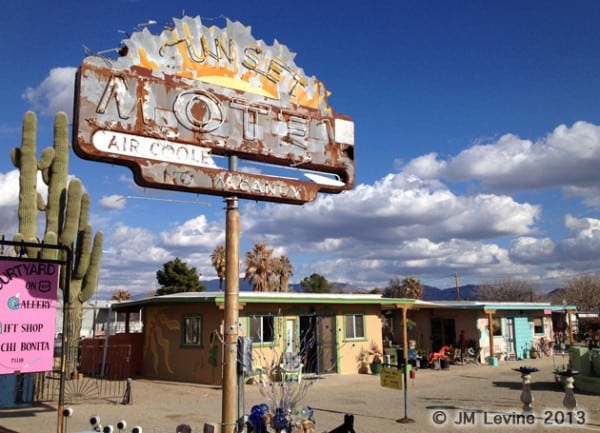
<point x="180" y="98"/>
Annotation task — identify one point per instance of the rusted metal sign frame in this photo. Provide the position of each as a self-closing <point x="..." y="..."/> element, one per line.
<point x="120" y="111"/>
<point x="212" y="91"/>
<point x="113" y="117"/>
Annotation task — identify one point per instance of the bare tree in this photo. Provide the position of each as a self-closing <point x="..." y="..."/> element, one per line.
<point x="508" y="290"/>
<point x="582" y="291"/>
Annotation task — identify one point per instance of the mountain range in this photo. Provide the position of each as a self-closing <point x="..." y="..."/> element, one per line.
<point x="430" y="293"/>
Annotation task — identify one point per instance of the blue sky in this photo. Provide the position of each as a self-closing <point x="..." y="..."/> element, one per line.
<point x="477" y="139"/>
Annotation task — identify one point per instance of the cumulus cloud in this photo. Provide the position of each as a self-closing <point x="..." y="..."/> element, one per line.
<point x="9" y="201"/>
<point x="410" y="222"/>
<point x="568" y="157"/>
<point x="532" y="250"/>
<point x="53" y="94"/>
<point x="583" y="242"/>
<point x="131" y="257"/>
<point x="395" y="208"/>
<point x="194" y="232"/>
<point x="112" y="202"/>
<point x="401" y="224"/>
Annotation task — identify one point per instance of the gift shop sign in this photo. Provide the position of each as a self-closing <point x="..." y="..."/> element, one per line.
<point x="28" y="292"/>
<point x="172" y="101"/>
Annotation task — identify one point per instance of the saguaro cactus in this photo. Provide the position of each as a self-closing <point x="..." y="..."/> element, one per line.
<point x="67" y="217"/>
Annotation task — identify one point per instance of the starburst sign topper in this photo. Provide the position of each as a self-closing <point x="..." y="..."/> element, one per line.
<point x="173" y="102"/>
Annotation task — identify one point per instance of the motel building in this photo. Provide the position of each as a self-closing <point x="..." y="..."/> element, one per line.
<point x="182" y="333"/>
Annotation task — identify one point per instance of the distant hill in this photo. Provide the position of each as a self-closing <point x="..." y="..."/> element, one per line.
<point x="213" y="285"/>
<point x="430" y="293"/>
<point x="467" y="292"/>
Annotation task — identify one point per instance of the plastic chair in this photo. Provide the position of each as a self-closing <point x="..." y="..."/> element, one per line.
<point x="291" y="367"/>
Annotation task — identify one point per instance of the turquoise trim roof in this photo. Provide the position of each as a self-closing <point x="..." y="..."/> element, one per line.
<point x="266" y="298"/>
<point x="482" y="305"/>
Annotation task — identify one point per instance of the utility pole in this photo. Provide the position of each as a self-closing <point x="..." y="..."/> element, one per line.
<point x="457" y="286"/>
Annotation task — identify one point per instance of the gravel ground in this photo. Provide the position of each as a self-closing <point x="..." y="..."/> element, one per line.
<point x="465" y="398"/>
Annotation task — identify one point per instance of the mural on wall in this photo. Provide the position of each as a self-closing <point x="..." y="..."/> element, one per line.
<point x="155" y="341"/>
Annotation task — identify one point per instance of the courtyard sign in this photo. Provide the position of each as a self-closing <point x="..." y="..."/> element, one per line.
<point x="172" y="101"/>
<point x="28" y="291"/>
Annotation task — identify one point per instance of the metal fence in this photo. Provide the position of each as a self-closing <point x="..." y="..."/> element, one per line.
<point x="102" y="373"/>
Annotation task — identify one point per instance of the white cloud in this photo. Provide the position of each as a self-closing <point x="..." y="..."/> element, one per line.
<point x="195" y="232"/>
<point x="399" y="225"/>
<point x="394" y="209"/>
<point x="532" y="250"/>
<point x="112" y="202"/>
<point x="404" y="223"/>
<point x="568" y="157"/>
<point x="9" y="202"/>
<point x="583" y="244"/>
<point x="55" y="93"/>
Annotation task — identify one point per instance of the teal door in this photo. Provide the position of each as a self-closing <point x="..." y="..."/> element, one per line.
<point x="522" y="336"/>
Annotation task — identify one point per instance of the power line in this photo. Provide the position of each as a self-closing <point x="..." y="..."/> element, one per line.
<point x="125" y="197"/>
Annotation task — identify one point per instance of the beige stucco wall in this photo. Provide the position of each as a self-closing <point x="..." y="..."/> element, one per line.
<point x="473" y="322"/>
<point x="164" y="356"/>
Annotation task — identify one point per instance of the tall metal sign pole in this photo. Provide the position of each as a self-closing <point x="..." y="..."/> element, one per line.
<point x="230" y="334"/>
<point x="171" y="104"/>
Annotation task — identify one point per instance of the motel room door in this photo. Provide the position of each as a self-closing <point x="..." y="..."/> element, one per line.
<point x="523" y="336"/>
<point x="318" y="344"/>
<point x="443" y="332"/>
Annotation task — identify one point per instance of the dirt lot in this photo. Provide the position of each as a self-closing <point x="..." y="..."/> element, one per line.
<point x="465" y="398"/>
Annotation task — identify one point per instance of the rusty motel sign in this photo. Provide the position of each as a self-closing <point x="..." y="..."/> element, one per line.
<point x="177" y="100"/>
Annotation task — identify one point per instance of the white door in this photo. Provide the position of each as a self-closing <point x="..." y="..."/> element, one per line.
<point x="290" y="336"/>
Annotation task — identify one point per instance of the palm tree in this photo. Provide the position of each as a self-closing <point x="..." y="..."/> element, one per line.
<point x="283" y="270"/>
<point x="412" y="288"/>
<point x="259" y="267"/>
<point x="218" y="261"/>
<point x="121" y="295"/>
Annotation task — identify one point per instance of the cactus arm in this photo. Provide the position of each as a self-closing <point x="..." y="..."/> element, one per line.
<point x="25" y="158"/>
<point x="69" y="231"/>
<point x="49" y="253"/>
<point x="84" y="215"/>
<point x="58" y="174"/>
<point x="46" y="160"/>
<point x="90" y="281"/>
<point x="82" y="253"/>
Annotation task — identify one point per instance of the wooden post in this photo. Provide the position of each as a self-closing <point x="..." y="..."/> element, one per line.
<point x="570" y="326"/>
<point x="490" y="315"/>
<point x="404" y="334"/>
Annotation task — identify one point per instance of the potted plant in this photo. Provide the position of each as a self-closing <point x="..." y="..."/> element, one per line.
<point x="533" y="353"/>
<point x="375" y="365"/>
<point x="363" y="361"/>
<point x="422" y="357"/>
<point x="370" y="359"/>
<point x="377" y="358"/>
